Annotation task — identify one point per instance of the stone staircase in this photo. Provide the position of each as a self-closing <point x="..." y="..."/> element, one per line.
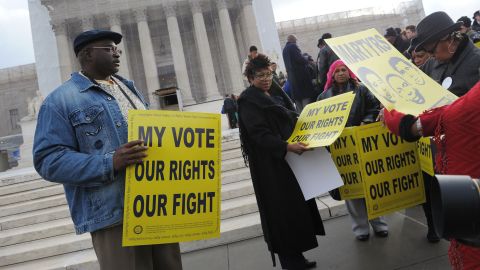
<point x="36" y="231"/>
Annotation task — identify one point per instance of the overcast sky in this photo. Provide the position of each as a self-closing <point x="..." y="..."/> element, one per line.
<point x="16" y="41"/>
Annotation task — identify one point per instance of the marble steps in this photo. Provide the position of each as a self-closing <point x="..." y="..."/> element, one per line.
<point x="32" y="205"/>
<point x="231" y="154"/>
<point x="76" y="251"/>
<point x="48" y="189"/>
<point x="233" y="164"/>
<point x="244" y="203"/>
<point x="25" y="186"/>
<point x="229" y="191"/>
<point x="77" y="260"/>
<point x="30" y="195"/>
<point x="43" y="248"/>
<point x="34" y="217"/>
<point x="16" y="176"/>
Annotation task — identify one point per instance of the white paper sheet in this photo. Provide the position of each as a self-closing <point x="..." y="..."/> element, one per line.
<point x="315" y="172"/>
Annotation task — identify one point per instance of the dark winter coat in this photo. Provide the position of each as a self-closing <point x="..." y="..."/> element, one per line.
<point x="298" y="72"/>
<point x="289" y="222"/>
<point x="365" y="106"/>
<point x="324" y="60"/>
<point x="229" y="105"/>
<point x="464" y="68"/>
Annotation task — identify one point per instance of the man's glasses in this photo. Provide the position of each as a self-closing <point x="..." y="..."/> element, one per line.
<point x="263" y="76"/>
<point x="110" y="49"/>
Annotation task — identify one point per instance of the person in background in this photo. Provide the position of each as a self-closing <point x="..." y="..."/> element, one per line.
<point x="230" y="109"/>
<point x="455" y="129"/>
<point x="394" y="38"/>
<point x="455" y="60"/>
<point x="299" y="76"/>
<point x="364" y="110"/>
<point x="420" y="57"/>
<point x="267" y="119"/>
<point x="81" y="142"/>
<point x="281" y="78"/>
<point x="252" y="53"/>
<point x="410" y="32"/>
<point x="325" y="59"/>
<point x="476" y="21"/>
<point x="276" y="79"/>
<point x="466" y="28"/>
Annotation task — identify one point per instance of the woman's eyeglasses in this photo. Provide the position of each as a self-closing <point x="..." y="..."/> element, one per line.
<point x="263" y="76"/>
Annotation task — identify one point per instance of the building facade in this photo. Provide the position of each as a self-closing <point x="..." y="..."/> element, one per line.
<point x="197" y="46"/>
<point x="18" y="86"/>
<point x="309" y="30"/>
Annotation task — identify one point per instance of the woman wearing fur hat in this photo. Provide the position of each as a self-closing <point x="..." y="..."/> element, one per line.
<point x="456" y="60"/>
<point x="364" y="110"/>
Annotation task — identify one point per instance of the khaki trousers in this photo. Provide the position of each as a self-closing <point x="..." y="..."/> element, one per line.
<point x="112" y="256"/>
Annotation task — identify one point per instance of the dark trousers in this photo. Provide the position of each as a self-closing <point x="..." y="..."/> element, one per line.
<point x="292" y="261"/>
<point x="232" y="119"/>
<point x="112" y="256"/>
<point x="427" y="208"/>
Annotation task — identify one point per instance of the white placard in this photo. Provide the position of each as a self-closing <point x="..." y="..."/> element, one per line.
<point x="315" y="172"/>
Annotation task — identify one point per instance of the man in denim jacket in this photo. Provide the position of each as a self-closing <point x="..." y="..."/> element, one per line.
<point x="81" y="142"/>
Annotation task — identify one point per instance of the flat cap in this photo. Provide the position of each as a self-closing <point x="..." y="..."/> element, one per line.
<point x="83" y="39"/>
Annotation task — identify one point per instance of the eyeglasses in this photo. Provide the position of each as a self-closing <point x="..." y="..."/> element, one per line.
<point x="263" y="76"/>
<point x="110" y="49"/>
<point x="432" y="49"/>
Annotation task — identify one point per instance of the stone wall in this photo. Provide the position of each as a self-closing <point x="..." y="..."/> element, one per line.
<point x="309" y="30"/>
<point x="18" y="85"/>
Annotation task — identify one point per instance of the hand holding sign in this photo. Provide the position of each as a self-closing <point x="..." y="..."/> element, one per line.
<point x="130" y="153"/>
<point x="298" y="148"/>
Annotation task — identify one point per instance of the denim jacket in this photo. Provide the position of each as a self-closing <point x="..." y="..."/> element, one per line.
<point x="78" y="129"/>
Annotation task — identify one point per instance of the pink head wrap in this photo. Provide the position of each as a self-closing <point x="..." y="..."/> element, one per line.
<point x="331" y="71"/>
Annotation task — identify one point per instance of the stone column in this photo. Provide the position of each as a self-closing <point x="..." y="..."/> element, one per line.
<point x="148" y="57"/>
<point x="115" y="25"/>
<point x="87" y="23"/>
<point x="63" y="48"/>
<point x="179" y="62"/>
<point x="231" y="51"/>
<point x="204" y="52"/>
<point x="250" y="20"/>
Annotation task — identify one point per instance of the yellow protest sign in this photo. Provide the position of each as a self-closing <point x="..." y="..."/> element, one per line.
<point x="391" y="174"/>
<point x="174" y="195"/>
<point x="395" y="81"/>
<point x="321" y="122"/>
<point x="345" y="156"/>
<point x="424" y="148"/>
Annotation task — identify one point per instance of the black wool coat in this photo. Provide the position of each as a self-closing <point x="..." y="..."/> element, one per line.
<point x="464" y="68"/>
<point x="290" y="224"/>
<point x="298" y="72"/>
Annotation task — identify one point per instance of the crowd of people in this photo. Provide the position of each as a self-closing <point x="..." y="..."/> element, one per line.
<point x="81" y="137"/>
<point x="442" y="48"/>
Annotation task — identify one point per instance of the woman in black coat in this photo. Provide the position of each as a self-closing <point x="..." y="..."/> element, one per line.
<point x="267" y="118"/>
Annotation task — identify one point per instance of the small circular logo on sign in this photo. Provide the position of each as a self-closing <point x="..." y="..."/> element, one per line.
<point x="138" y="229"/>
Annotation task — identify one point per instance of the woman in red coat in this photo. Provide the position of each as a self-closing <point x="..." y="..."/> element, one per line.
<point x="456" y="131"/>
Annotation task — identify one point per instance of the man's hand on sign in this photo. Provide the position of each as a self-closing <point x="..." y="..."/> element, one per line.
<point x="298" y="148"/>
<point x="130" y="153"/>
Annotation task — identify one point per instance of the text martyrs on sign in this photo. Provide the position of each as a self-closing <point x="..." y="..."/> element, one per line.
<point x="394" y="80"/>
